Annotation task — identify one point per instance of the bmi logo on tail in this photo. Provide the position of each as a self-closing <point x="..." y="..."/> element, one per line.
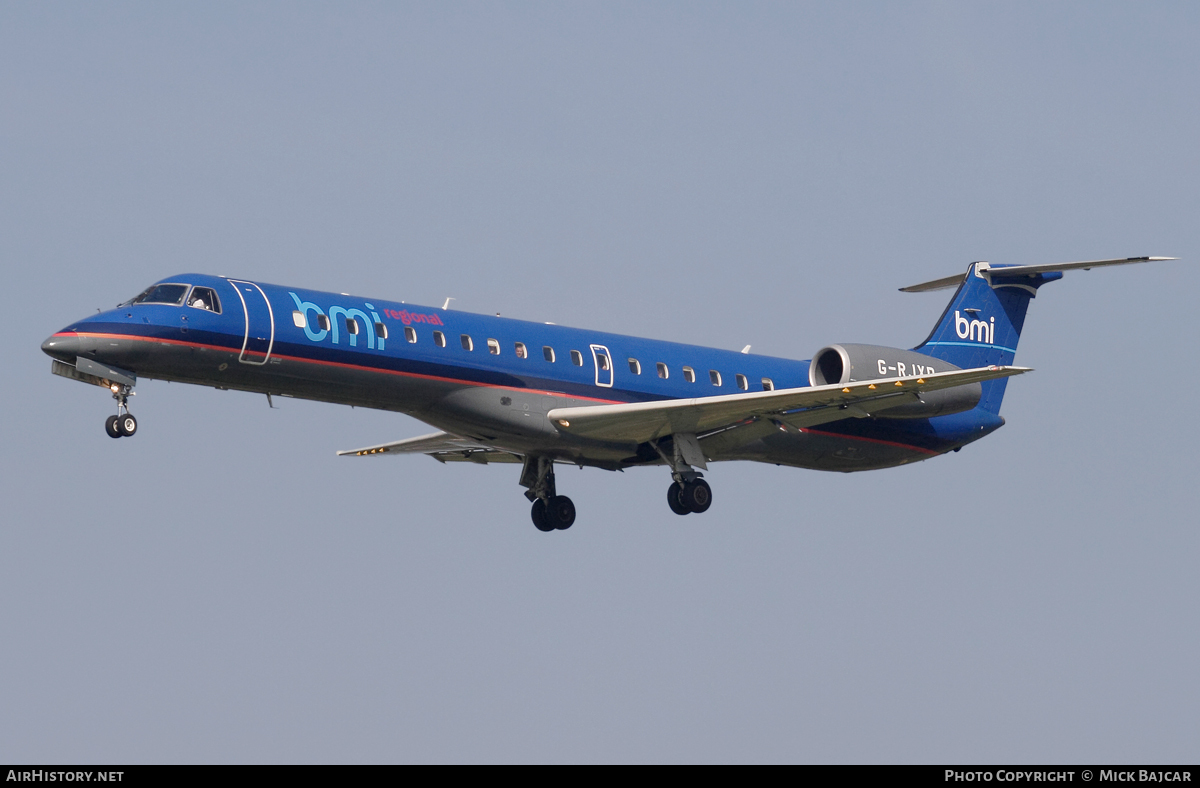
<point x="971" y="329"/>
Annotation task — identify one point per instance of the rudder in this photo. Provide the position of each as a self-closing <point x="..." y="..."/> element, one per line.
<point x="982" y="323"/>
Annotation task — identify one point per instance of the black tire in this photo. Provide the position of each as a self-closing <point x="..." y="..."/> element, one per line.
<point x="538" y="514"/>
<point x="110" y="426"/>
<point x="697" y="496"/>
<point x="675" y="499"/>
<point x="560" y="511"/>
<point x="127" y="424"/>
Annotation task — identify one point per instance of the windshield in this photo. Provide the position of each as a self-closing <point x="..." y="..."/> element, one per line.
<point x="162" y="294"/>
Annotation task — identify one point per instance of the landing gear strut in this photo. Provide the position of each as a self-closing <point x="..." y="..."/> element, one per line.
<point x="688" y="493"/>
<point x="551" y="511"/>
<point x="123" y="424"/>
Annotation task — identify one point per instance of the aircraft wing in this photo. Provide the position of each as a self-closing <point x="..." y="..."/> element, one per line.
<point x="441" y="446"/>
<point x="800" y="407"/>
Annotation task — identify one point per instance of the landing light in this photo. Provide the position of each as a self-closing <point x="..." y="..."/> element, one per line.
<point x="564" y="422"/>
<point x="115" y="388"/>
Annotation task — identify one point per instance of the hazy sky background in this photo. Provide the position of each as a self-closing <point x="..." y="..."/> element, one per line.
<point x="223" y="588"/>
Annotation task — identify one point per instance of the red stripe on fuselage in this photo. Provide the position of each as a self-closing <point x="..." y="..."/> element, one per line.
<point x="341" y="364"/>
<point x="872" y="440"/>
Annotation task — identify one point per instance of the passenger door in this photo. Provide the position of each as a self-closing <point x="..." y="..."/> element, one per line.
<point x="260" y="323"/>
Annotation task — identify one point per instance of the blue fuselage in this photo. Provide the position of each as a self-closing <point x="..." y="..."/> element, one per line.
<point x="484" y="377"/>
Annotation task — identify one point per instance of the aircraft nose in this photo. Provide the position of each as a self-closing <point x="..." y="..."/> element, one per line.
<point x="62" y="346"/>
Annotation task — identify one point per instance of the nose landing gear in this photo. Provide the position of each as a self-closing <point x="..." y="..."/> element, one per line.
<point x="122" y="425"/>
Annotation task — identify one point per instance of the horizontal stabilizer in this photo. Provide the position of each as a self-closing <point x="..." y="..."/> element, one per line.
<point x="643" y="421"/>
<point x="1029" y="270"/>
<point x="442" y="446"/>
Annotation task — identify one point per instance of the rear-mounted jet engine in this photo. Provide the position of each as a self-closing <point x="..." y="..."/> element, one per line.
<point x="850" y="363"/>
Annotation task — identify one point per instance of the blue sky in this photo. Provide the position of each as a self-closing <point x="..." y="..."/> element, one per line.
<point x="223" y="588"/>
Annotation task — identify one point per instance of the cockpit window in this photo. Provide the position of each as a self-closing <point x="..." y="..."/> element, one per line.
<point x="162" y="294"/>
<point x="204" y="298"/>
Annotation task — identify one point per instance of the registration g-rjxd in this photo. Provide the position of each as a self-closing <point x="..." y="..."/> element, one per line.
<point x="535" y="395"/>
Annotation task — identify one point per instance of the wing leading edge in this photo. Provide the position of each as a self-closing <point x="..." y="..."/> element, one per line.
<point x="801" y="407"/>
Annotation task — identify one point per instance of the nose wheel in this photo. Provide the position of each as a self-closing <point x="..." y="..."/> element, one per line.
<point x="122" y="425"/>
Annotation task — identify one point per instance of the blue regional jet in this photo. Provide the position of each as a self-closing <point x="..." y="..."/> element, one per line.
<point x="535" y="394"/>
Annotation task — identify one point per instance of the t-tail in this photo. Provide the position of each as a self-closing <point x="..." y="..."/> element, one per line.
<point x="982" y="323"/>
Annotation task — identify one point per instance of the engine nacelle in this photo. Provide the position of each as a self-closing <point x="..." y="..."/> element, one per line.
<point x="848" y="363"/>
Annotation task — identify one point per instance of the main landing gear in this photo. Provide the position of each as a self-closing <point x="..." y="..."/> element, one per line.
<point x="551" y="511"/>
<point x="688" y="493"/>
<point x="688" y="497"/>
<point x="122" y="425"/>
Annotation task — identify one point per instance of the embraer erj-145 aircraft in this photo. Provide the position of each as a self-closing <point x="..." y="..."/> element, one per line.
<point x="537" y="394"/>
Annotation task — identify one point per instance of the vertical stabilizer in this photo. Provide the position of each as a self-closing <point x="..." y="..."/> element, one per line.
<point x="982" y="323"/>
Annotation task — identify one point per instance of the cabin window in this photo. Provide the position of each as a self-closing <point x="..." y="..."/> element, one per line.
<point x="351" y="326"/>
<point x="493" y="347"/>
<point x="662" y="370"/>
<point x="577" y="358"/>
<point x="410" y="334"/>
<point x="162" y="294"/>
<point x="439" y="339"/>
<point x="715" y="377"/>
<point x="689" y="374"/>
<point x="204" y="298"/>
<point x="548" y="353"/>
<point x="602" y="361"/>
<point x="467" y="344"/>
<point x="323" y="322"/>
<point x="768" y="384"/>
<point x="742" y="383"/>
<point x="635" y="366"/>
<point x="521" y="352"/>
<point x="298" y="319"/>
<point x="381" y="330"/>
